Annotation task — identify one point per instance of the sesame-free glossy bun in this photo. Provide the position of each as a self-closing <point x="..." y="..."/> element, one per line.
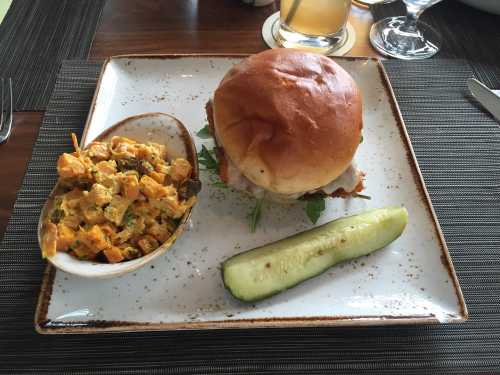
<point x="289" y="120"/>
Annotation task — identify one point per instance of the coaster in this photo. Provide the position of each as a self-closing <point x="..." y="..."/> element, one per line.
<point x="367" y="3"/>
<point x="270" y="33"/>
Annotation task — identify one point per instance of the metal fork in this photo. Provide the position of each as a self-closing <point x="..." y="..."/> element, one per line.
<point x="6" y="116"/>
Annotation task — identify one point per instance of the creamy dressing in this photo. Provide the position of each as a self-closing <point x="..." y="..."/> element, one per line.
<point x="238" y="181"/>
<point x="347" y="181"/>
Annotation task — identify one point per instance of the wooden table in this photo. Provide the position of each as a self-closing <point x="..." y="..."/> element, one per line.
<point x="158" y="26"/>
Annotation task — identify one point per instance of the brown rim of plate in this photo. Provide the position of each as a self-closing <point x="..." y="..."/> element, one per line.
<point x="45" y="326"/>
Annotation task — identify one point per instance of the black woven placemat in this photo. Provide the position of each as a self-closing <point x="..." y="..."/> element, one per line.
<point x="466" y="33"/>
<point x="35" y="36"/>
<point x="458" y="147"/>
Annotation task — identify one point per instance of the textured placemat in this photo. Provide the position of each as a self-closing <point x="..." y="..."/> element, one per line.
<point x="458" y="147"/>
<point x="35" y="36"/>
<point x="467" y="33"/>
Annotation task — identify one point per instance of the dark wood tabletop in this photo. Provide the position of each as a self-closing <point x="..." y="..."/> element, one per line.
<point x="223" y="26"/>
<point x="158" y="26"/>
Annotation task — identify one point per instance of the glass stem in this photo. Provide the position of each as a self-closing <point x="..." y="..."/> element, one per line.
<point x="413" y="12"/>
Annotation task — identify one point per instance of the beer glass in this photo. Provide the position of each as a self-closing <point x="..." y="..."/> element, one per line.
<point x="314" y="25"/>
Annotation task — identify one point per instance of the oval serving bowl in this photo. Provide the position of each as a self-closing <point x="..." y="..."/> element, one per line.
<point x="149" y="127"/>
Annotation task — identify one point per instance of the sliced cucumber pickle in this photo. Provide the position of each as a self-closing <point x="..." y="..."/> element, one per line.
<point x="267" y="270"/>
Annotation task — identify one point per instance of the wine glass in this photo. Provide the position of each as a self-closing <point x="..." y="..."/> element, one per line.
<point x="406" y="37"/>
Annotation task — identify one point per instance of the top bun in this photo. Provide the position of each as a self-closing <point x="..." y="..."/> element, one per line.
<point x="289" y="120"/>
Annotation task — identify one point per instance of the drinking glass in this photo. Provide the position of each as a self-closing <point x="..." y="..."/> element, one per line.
<point x="406" y="38"/>
<point x="315" y="25"/>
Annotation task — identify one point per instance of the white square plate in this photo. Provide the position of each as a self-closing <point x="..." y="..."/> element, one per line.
<point x="410" y="281"/>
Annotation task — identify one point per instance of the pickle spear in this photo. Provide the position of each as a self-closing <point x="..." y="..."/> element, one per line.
<point x="267" y="270"/>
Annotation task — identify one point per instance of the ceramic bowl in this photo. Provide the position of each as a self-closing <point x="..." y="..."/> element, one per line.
<point x="149" y="127"/>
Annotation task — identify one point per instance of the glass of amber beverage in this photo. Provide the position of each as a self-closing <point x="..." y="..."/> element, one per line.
<point x="314" y="25"/>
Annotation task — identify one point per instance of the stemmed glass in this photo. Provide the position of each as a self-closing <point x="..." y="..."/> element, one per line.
<point x="406" y="37"/>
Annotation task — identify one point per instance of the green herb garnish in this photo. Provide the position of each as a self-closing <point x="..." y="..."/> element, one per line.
<point x="313" y="196"/>
<point x="361" y="139"/>
<point x="255" y="215"/>
<point x="362" y="196"/>
<point x="126" y="164"/>
<point x="220" y="185"/>
<point x="314" y="207"/>
<point x="204" y="132"/>
<point x="206" y="159"/>
<point x="128" y="219"/>
<point x="57" y="215"/>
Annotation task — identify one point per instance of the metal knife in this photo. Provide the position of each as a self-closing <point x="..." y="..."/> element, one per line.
<point x="488" y="98"/>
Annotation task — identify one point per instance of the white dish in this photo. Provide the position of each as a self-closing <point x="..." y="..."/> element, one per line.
<point x="410" y="281"/>
<point x="148" y="127"/>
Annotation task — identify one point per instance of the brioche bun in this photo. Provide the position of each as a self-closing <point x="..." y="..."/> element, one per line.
<point x="290" y="121"/>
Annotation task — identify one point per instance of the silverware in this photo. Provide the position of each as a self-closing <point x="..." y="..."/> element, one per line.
<point x="6" y="116"/>
<point x="488" y="98"/>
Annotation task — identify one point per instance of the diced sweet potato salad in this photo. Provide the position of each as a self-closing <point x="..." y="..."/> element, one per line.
<point x="120" y="200"/>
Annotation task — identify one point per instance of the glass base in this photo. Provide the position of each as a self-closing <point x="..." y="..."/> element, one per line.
<point x="367" y="3"/>
<point x="289" y="38"/>
<point x="391" y="38"/>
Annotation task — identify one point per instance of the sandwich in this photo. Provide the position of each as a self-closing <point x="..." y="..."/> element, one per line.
<point x="286" y="126"/>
